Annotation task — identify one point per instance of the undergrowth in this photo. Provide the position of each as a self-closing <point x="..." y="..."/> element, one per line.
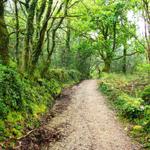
<point x="130" y="96"/>
<point x="24" y="101"/>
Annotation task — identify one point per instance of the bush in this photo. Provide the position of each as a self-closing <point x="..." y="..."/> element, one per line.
<point x="74" y="75"/>
<point x="57" y="74"/>
<point x="146" y="94"/>
<point x="2" y="128"/>
<point x="105" y="88"/>
<point x="147" y="119"/>
<point x="10" y="91"/>
<point x="23" y="101"/>
<point x="122" y="93"/>
<point x="52" y="86"/>
<point x="63" y="76"/>
<point x="130" y="107"/>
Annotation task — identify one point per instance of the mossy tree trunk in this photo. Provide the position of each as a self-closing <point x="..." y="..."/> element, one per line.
<point x="54" y="31"/>
<point x="124" y="67"/>
<point x="146" y="15"/>
<point x="17" y="31"/>
<point x="107" y="65"/>
<point x="67" y="48"/>
<point x="29" y="34"/>
<point x="37" y="50"/>
<point x="4" y="37"/>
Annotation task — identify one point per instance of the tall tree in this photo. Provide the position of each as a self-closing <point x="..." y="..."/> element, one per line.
<point x="37" y="50"/>
<point x="146" y="15"/>
<point x="17" y="30"/>
<point x="4" y="38"/>
<point x="54" y="30"/>
<point x="29" y="32"/>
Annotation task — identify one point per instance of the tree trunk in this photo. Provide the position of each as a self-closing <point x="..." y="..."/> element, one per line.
<point x="124" y="68"/>
<point x="68" y="38"/>
<point x="4" y="38"/>
<point x="107" y="65"/>
<point x="17" y="31"/>
<point x="146" y="15"/>
<point x="66" y="50"/>
<point x="48" y="61"/>
<point x="29" y="34"/>
<point x="39" y="43"/>
<point x="148" y="41"/>
<point x="148" y="50"/>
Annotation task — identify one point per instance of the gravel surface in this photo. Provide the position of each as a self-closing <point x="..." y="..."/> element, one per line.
<point x="89" y="124"/>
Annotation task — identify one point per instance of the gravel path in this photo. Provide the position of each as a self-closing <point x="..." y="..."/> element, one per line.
<point x="89" y="123"/>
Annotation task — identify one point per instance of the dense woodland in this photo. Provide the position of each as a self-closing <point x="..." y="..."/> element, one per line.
<point x="47" y="45"/>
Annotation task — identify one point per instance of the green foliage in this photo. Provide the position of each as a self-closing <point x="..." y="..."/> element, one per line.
<point x="58" y="74"/>
<point x="63" y="76"/>
<point x="38" y="109"/>
<point x="130" y="107"/>
<point x="23" y="101"/>
<point x="14" y="124"/>
<point x="74" y="75"/>
<point x="104" y="88"/>
<point x="146" y="94"/>
<point x="146" y="120"/>
<point x="10" y="91"/>
<point x="13" y="117"/>
<point x="2" y="129"/>
<point x="120" y="91"/>
<point x="54" y="87"/>
<point x="83" y="58"/>
<point x="103" y="37"/>
<point x="143" y="68"/>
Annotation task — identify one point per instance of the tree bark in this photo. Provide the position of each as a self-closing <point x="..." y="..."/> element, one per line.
<point x="29" y="34"/>
<point x="107" y="65"/>
<point x="39" y="14"/>
<point x="39" y="43"/>
<point x="48" y="61"/>
<point x="148" y="50"/>
<point x="68" y="38"/>
<point x="4" y="37"/>
<point x="146" y="15"/>
<point x="124" y="68"/>
<point x="17" y="31"/>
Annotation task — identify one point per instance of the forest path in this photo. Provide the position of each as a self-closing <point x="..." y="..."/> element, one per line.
<point x="89" y="123"/>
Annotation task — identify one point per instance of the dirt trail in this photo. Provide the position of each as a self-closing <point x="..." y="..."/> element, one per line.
<point x="89" y="123"/>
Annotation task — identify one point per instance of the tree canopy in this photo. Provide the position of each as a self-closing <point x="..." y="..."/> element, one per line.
<point x="36" y="35"/>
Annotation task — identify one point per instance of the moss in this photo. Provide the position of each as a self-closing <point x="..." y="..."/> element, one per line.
<point x="4" y="39"/>
<point x="24" y="101"/>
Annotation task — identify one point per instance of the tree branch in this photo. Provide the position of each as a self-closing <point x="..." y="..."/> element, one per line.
<point x="126" y="55"/>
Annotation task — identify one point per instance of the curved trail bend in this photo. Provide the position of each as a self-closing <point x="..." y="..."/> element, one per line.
<point x="90" y="124"/>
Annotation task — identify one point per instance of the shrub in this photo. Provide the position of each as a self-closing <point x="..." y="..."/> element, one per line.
<point x="57" y="74"/>
<point x="2" y="128"/>
<point x="74" y="75"/>
<point x="10" y="91"/>
<point x="122" y="93"/>
<point x="105" y="88"/>
<point x="146" y="94"/>
<point x="147" y="119"/>
<point x="23" y="101"/>
<point x="130" y="107"/>
<point x="63" y="76"/>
